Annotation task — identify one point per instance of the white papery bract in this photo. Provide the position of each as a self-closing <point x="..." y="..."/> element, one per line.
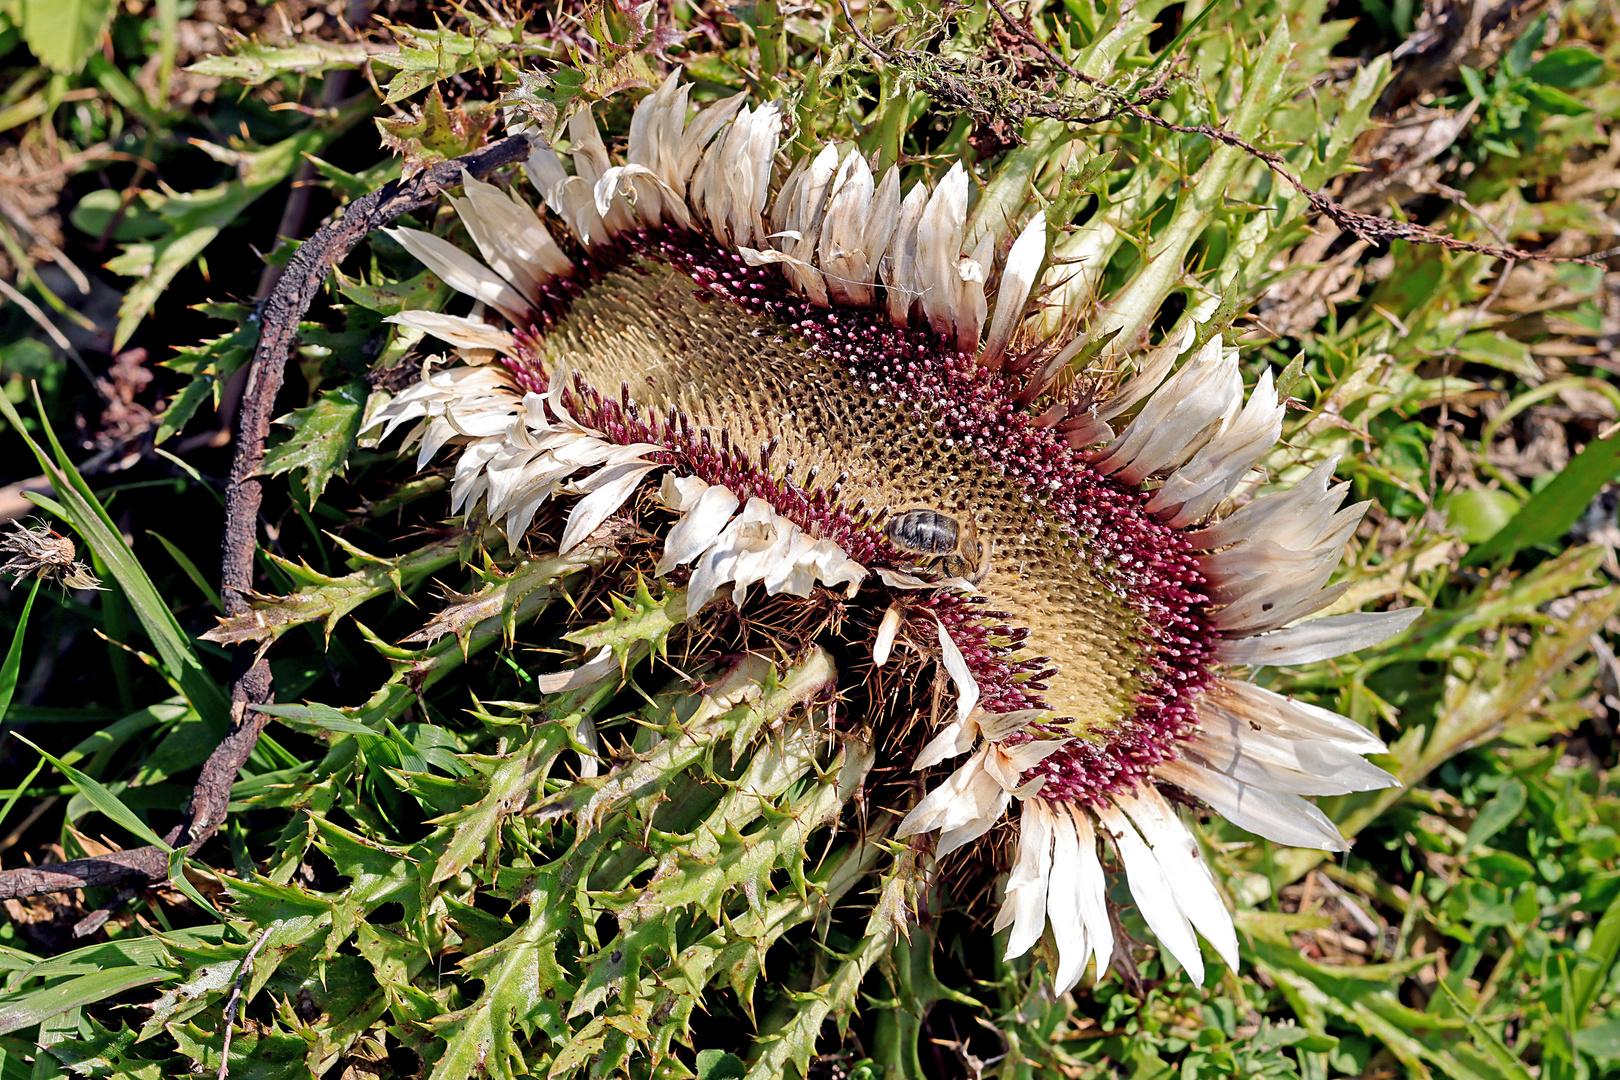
<point x="758" y="546"/>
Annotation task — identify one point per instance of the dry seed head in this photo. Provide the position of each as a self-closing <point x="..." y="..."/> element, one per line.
<point x="46" y="554"/>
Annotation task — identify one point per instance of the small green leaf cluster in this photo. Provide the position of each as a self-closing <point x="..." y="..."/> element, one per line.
<point x="1524" y="92"/>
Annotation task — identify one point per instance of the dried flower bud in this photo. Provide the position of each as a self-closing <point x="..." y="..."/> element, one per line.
<point x="46" y="554"/>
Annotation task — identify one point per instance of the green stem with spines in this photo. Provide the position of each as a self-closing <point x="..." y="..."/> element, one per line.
<point x="1136" y="305"/>
<point x="796" y="1041"/>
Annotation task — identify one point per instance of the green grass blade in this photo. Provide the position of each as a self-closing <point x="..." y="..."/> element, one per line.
<point x="16" y="792"/>
<point x="1550" y="512"/>
<point x="84" y="512"/>
<point x="190" y="470"/>
<point x="1486" y="1042"/>
<point x="102" y="956"/>
<point x="109" y="805"/>
<point x="47" y="504"/>
<point x="28" y="1009"/>
<point x="318" y="718"/>
<point x="114" y="734"/>
<point x="8" y="671"/>
<point x="102" y="799"/>
<point x="1169" y="51"/>
<point x="179" y="882"/>
<point x="1600" y="957"/>
<point x="191" y="571"/>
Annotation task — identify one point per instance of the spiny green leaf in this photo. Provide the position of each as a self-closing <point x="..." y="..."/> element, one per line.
<point x="331" y="598"/>
<point x="265" y="902"/>
<point x="426" y="57"/>
<point x="323" y="437"/>
<point x="1133" y="307"/>
<point x="641" y="618"/>
<point x="749" y="686"/>
<point x="434" y="132"/>
<point x="255" y="63"/>
<point x="512" y="786"/>
<point x="196" y="217"/>
<point x="544" y="99"/>
<point x="378" y="872"/>
<point x="1290" y="378"/>
<point x="720" y="860"/>
<point x="796" y="1041"/>
<point x="500" y="601"/>
<point x="257" y="1053"/>
<point x="422" y="292"/>
<point x="521" y="981"/>
<point x="210" y="364"/>
<point x="209" y="980"/>
<point x="107" y="1053"/>
<point x="220" y="355"/>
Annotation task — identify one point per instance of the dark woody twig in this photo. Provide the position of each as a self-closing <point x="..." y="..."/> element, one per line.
<point x="114" y="868"/>
<point x="983" y="91"/>
<point x="1374" y="230"/>
<point x="280" y="316"/>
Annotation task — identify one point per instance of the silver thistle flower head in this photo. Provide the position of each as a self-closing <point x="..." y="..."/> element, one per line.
<point x="839" y="384"/>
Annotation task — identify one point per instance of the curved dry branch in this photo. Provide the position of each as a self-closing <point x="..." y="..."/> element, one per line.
<point x="250" y="686"/>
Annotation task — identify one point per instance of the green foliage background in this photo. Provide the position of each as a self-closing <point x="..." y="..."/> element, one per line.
<point x="413" y="882"/>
